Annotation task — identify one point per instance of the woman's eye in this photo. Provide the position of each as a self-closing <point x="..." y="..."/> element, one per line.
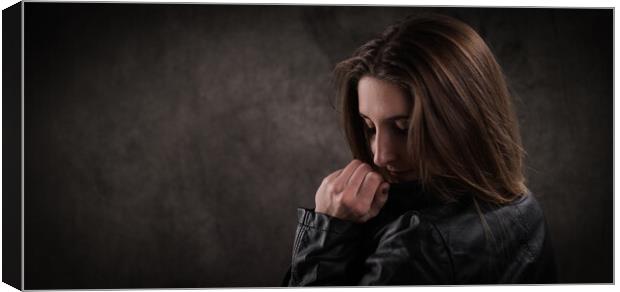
<point x="369" y="130"/>
<point x="402" y="127"/>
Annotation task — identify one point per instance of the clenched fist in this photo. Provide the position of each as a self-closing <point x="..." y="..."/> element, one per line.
<point x="354" y="193"/>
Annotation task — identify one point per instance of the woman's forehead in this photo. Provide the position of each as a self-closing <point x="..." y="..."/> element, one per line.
<point x="380" y="99"/>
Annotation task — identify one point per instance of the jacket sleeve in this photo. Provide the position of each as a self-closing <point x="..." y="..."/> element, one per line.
<point x="324" y="251"/>
<point x="327" y="251"/>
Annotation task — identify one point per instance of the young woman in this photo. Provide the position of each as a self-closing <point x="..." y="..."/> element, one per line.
<point x="435" y="193"/>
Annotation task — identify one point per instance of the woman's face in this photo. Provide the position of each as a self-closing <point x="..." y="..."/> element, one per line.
<point x="385" y="109"/>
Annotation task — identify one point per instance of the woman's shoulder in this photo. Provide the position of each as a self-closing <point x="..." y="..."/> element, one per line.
<point x="472" y="241"/>
<point x="489" y="242"/>
<point x="474" y="220"/>
<point x="473" y="213"/>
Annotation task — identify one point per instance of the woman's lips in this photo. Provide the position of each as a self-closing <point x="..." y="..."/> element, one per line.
<point x="399" y="175"/>
<point x="395" y="175"/>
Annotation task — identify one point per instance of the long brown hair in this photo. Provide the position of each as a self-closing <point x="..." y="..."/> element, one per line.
<point x="463" y="136"/>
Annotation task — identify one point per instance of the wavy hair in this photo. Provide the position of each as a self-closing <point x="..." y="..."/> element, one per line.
<point x="463" y="136"/>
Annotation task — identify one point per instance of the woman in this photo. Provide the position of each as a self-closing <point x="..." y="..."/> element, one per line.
<point x="436" y="192"/>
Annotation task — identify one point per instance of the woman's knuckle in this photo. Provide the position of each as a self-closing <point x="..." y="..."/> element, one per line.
<point x="328" y="187"/>
<point x="374" y="177"/>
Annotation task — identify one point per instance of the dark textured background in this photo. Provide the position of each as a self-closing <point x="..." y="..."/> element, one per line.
<point x="169" y="145"/>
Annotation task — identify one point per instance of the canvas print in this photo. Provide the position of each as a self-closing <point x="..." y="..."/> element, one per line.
<point x="206" y="146"/>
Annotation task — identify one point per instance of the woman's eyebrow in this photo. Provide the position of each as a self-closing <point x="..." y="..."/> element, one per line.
<point x="393" y="118"/>
<point x="399" y="117"/>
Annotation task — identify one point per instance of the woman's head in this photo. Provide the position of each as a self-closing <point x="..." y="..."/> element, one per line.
<point x="427" y="101"/>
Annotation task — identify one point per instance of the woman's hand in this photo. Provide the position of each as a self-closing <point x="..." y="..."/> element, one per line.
<point x="355" y="193"/>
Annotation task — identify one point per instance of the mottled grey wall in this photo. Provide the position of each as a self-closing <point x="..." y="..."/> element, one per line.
<point x="169" y="145"/>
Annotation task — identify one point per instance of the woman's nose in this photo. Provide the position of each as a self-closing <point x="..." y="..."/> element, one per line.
<point x="384" y="152"/>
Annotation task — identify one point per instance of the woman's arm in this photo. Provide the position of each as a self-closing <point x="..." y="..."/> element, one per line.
<point x="327" y="239"/>
<point x="325" y="250"/>
<point x="327" y="246"/>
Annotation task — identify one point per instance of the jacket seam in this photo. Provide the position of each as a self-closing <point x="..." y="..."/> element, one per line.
<point x="331" y="226"/>
<point x="300" y="235"/>
<point x="527" y="230"/>
<point x="328" y="230"/>
<point x="448" y="251"/>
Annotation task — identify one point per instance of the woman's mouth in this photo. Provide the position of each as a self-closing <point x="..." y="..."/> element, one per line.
<point x="399" y="175"/>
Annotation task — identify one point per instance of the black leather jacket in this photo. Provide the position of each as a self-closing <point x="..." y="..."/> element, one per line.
<point x="417" y="240"/>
